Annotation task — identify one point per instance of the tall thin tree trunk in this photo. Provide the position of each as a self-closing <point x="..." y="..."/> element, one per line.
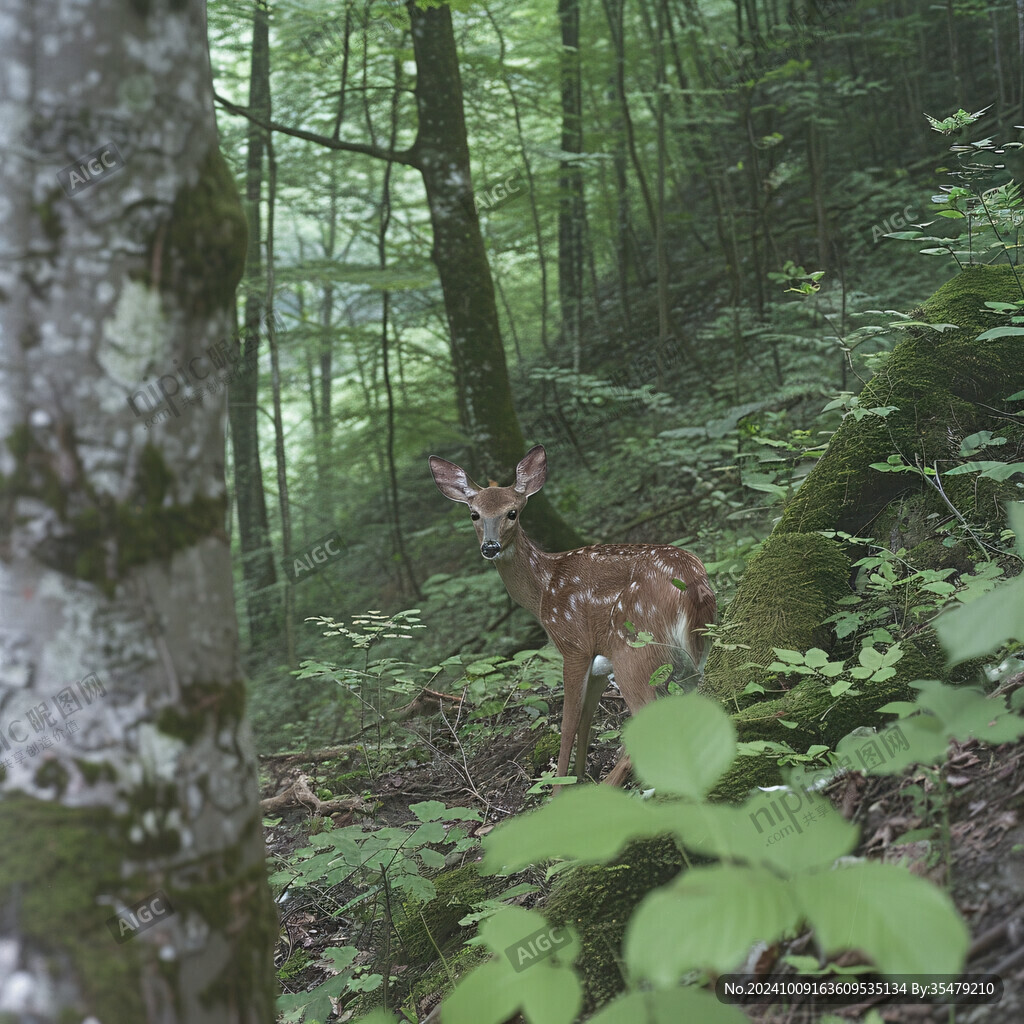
<point x="441" y="152"/>
<point x="258" y="567"/>
<point x="570" y="182"/>
<point x="284" y="508"/>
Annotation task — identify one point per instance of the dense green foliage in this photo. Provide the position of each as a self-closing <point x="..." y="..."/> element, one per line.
<point x="716" y="322"/>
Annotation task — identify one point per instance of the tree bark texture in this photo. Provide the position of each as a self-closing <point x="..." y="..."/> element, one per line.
<point x="127" y="775"/>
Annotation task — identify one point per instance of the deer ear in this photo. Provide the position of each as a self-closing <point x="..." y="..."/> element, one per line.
<point x="532" y="471"/>
<point x="452" y="481"/>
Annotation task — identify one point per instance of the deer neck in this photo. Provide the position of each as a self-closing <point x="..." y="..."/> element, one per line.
<point x="526" y="572"/>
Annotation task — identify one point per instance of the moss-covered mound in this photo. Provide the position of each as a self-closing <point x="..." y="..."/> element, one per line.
<point x="945" y="385"/>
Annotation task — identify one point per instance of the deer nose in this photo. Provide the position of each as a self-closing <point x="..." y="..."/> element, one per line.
<point x="490" y="549"/>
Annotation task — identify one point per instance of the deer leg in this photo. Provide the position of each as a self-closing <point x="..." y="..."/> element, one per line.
<point x="633" y="668"/>
<point x="575" y="669"/>
<point x="595" y="687"/>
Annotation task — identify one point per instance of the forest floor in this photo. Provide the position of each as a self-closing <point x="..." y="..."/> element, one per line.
<point x="965" y="831"/>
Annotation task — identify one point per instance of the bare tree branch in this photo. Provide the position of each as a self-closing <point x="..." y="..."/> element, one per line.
<point x="402" y="156"/>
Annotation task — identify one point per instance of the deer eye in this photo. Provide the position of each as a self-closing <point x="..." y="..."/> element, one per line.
<point x="512" y="514"/>
<point x="474" y="516"/>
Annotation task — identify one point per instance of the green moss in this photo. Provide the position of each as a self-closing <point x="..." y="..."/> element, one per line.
<point x="545" y="751"/>
<point x="77" y="854"/>
<point x="203" y="246"/>
<point x="934" y="379"/>
<point x="424" y="926"/>
<point x="109" y="538"/>
<point x="789" y="588"/>
<point x="46" y="211"/>
<point x="438" y="979"/>
<point x="34" y="475"/>
<point x="94" y="772"/>
<point x="597" y="900"/>
<point x="743" y="775"/>
<point x="101" y="541"/>
<point x="237" y="902"/>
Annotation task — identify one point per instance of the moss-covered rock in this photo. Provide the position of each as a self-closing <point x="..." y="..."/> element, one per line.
<point x="424" y="928"/>
<point x="597" y="900"/>
<point x="790" y="587"/>
<point x="939" y="381"/>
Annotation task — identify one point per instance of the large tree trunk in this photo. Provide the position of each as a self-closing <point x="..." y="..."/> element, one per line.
<point x="126" y="770"/>
<point x="441" y="153"/>
<point x="258" y="569"/>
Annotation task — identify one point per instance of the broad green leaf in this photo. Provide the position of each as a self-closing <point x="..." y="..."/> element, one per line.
<point x="993" y="469"/>
<point x="681" y="744"/>
<point x="428" y="810"/>
<point x="816" y="658"/>
<point x="1001" y="332"/>
<point x="428" y="832"/>
<point x="790" y="657"/>
<point x="903" y="923"/>
<point x="565" y="827"/>
<point x="870" y="658"/>
<point x="985" y="624"/>
<point x="668" y="1006"/>
<point x="790" y="829"/>
<point x="746" y="904"/>
<point x="496" y="990"/>
<point x="946" y="712"/>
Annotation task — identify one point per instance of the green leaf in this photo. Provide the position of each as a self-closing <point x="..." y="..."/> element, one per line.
<point x="985" y="624"/>
<point x="790" y="829"/>
<point x="661" y="675"/>
<point x="746" y="904"/>
<point x="681" y="744"/>
<point x="790" y="657"/>
<point x="816" y="658"/>
<point x="564" y="827"/>
<point x="496" y="990"/>
<point x="431" y="858"/>
<point x="992" y="469"/>
<point x="1000" y="332"/>
<point x="428" y="810"/>
<point x="903" y="923"/>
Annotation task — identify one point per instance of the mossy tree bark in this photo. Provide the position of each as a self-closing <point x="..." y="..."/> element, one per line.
<point x="126" y="767"/>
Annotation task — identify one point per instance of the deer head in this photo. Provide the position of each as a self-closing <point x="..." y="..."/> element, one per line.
<point x="494" y="510"/>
